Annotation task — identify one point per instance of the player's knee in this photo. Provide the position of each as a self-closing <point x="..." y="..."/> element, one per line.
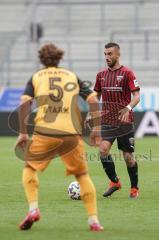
<point x="104" y="150"/>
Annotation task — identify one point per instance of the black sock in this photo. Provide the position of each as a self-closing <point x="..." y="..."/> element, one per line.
<point x="133" y="174"/>
<point x="109" y="167"/>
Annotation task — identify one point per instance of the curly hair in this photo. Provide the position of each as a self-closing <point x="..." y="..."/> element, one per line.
<point x="50" y="55"/>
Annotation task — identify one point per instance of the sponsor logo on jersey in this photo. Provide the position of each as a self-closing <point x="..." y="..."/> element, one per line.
<point x="113" y="89"/>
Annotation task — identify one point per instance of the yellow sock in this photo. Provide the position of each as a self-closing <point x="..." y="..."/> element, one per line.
<point x="31" y="183"/>
<point x="88" y="195"/>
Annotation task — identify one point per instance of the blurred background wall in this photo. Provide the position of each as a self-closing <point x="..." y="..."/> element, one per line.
<point x="81" y="28"/>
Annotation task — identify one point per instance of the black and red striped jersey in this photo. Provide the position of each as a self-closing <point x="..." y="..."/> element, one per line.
<point x="115" y="87"/>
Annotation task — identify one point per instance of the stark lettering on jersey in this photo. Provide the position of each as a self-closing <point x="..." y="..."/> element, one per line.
<point x="56" y="109"/>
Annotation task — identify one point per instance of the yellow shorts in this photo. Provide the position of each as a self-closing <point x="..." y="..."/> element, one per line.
<point x="42" y="149"/>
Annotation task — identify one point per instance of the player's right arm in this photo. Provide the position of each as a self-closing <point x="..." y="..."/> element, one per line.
<point x="95" y="116"/>
<point x="97" y="87"/>
<point x="91" y="97"/>
<point x="24" y="112"/>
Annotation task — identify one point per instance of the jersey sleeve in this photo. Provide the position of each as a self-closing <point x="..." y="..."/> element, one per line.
<point x="97" y="86"/>
<point x="29" y="89"/>
<point x="132" y="82"/>
<point x="85" y="90"/>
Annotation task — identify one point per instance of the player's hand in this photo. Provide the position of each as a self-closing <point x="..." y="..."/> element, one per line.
<point x="95" y="136"/>
<point x="22" y="140"/>
<point x="124" y="115"/>
<point x="88" y="122"/>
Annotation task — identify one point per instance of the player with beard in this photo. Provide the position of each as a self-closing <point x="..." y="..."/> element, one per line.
<point x="116" y="84"/>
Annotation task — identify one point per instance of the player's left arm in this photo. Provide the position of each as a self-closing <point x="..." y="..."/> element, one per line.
<point x="134" y="100"/>
<point x="124" y="113"/>
<point x="135" y="90"/>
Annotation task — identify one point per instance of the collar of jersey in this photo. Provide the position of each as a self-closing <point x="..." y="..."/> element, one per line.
<point x="115" y="69"/>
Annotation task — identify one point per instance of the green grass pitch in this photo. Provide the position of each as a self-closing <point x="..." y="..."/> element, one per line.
<point x="62" y="218"/>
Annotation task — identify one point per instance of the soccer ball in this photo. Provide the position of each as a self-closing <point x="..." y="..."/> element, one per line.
<point x="74" y="190"/>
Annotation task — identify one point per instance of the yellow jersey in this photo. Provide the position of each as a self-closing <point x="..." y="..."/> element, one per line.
<point x="56" y="92"/>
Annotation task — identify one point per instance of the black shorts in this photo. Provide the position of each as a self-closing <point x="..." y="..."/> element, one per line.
<point x="123" y="133"/>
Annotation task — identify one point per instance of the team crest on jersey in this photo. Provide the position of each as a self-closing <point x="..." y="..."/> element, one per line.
<point x="119" y="78"/>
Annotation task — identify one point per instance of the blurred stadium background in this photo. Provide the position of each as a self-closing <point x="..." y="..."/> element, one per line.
<point x="81" y="28"/>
